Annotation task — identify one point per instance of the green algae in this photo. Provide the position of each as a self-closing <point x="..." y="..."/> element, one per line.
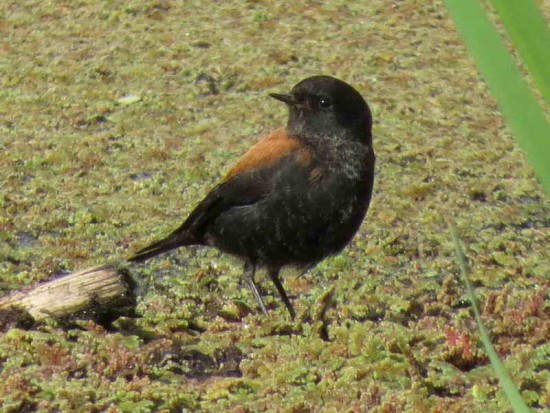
<point x="89" y="175"/>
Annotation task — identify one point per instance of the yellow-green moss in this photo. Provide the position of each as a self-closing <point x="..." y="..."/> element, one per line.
<point x="109" y="136"/>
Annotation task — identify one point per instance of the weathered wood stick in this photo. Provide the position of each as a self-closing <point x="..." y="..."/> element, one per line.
<point x="94" y="289"/>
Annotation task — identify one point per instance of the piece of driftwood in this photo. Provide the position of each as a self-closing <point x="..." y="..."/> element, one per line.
<point x="99" y="293"/>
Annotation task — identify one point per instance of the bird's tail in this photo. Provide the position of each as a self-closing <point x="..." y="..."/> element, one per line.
<point x="173" y="241"/>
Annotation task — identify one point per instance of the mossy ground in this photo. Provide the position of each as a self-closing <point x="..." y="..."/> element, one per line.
<point x="116" y="119"/>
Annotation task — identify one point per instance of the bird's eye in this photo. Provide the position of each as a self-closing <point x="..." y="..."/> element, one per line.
<point x="325" y="103"/>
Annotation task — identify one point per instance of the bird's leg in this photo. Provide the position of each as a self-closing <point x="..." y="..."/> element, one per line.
<point x="274" y="275"/>
<point x="248" y="273"/>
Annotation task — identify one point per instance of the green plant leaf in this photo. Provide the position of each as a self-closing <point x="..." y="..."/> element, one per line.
<point x="507" y="384"/>
<point x="522" y="111"/>
<point x="529" y="32"/>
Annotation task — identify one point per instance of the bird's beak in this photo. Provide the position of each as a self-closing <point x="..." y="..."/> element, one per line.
<point x="288" y="99"/>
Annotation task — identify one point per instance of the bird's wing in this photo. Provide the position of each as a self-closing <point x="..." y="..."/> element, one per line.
<point x="268" y="151"/>
<point x="248" y="181"/>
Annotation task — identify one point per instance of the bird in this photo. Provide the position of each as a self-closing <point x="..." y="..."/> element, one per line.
<point x="297" y="196"/>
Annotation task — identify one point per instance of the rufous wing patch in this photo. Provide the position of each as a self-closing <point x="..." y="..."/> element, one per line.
<point x="268" y="151"/>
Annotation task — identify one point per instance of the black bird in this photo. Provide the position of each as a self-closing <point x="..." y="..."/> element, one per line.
<point x="298" y="195"/>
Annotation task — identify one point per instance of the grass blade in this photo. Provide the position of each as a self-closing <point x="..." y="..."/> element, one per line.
<point x="506" y="383"/>
<point x="529" y="32"/>
<point x="504" y="79"/>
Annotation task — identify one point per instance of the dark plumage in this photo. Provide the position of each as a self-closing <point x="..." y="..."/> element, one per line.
<point x="298" y="195"/>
